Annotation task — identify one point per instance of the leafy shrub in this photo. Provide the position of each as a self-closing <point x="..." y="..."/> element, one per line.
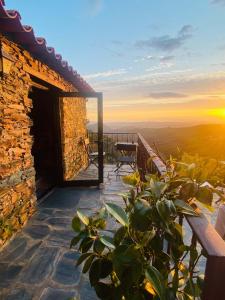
<point x="145" y="257"/>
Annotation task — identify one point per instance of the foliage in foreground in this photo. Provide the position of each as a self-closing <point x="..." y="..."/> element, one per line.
<point x="145" y="257"/>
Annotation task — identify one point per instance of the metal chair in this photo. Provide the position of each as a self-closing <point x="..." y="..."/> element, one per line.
<point x="128" y="155"/>
<point x="92" y="155"/>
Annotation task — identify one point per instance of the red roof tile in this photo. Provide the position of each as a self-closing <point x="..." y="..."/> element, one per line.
<point x="10" y="25"/>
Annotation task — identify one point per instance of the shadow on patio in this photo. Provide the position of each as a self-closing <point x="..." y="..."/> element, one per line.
<point x="38" y="263"/>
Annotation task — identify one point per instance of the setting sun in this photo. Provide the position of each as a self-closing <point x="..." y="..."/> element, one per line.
<point x="219" y="112"/>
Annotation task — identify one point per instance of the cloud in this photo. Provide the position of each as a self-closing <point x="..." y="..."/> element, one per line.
<point x="167" y="43"/>
<point x="166" y="59"/>
<point x="165" y="95"/>
<point x="159" y="67"/>
<point x="222" y="2"/>
<point x="105" y="74"/>
<point x="95" y="7"/>
<point x="147" y="57"/>
<point x="162" y="59"/>
<point x="184" y="81"/>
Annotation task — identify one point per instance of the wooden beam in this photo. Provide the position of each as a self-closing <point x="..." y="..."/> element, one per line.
<point x="81" y="94"/>
<point x="43" y="77"/>
<point x="39" y="86"/>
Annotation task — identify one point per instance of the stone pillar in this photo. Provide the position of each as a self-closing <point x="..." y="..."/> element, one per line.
<point x="17" y="175"/>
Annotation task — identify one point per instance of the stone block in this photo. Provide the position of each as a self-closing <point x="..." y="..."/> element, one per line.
<point x="66" y="272"/>
<point x="37" y="231"/>
<point x="19" y="294"/>
<point x="40" y="267"/>
<point x="58" y="294"/>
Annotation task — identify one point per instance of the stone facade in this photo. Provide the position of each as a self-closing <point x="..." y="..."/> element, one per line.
<point x="73" y="116"/>
<point x="17" y="173"/>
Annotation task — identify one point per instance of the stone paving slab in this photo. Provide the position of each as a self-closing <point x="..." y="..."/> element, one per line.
<point x="58" y="294"/>
<point x="37" y="263"/>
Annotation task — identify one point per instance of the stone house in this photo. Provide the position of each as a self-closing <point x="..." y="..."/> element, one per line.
<point x="36" y="125"/>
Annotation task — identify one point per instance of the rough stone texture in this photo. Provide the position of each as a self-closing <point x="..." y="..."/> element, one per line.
<point x="33" y="268"/>
<point x="73" y="113"/>
<point x="17" y="173"/>
<point x="58" y="294"/>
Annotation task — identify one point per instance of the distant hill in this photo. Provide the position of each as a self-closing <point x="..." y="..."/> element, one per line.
<point x="206" y="140"/>
<point x="136" y="126"/>
<point x="174" y="138"/>
<point x="94" y="127"/>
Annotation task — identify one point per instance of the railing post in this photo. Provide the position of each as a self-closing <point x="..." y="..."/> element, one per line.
<point x="100" y="138"/>
<point x="214" y="283"/>
<point x="204" y="232"/>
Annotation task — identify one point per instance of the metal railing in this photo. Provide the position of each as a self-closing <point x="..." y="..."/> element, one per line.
<point x="109" y="141"/>
<point x="202" y="230"/>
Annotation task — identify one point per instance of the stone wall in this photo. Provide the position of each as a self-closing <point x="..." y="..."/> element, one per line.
<point x="73" y="116"/>
<point x="17" y="173"/>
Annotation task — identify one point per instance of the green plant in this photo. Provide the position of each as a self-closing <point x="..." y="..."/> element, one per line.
<point x="145" y="257"/>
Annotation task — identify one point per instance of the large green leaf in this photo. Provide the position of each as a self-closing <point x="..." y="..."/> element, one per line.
<point x="118" y="213"/>
<point x="162" y="210"/>
<point x="86" y="244"/>
<point x="74" y="241"/>
<point x="188" y="190"/>
<point x="103" y="291"/>
<point x="119" y="235"/>
<point x="94" y="272"/>
<point x="88" y="263"/>
<point x="84" y="219"/>
<point x="127" y="263"/>
<point x="76" y="225"/>
<point x="147" y="236"/>
<point x="140" y="217"/>
<point x="100" y="268"/>
<point x="83" y="257"/>
<point x="185" y="208"/>
<point x="157" y="188"/>
<point x="154" y="276"/>
<point x="105" y="268"/>
<point x="205" y="196"/>
<point x="98" y="246"/>
<point x="171" y="208"/>
<point x="132" y="179"/>
<point x="107" y="241"/>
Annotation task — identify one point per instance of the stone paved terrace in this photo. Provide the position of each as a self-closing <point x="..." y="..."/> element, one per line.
<point x="37" y="263"/>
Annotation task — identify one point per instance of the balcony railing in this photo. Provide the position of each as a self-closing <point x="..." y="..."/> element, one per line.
<point x="202" y="230"/>
<point x="109" y="141"/>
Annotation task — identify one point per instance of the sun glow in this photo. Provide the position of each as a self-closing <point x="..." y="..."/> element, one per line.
<point x="219" y="112"/>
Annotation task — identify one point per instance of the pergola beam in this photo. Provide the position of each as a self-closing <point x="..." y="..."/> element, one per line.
<point x="97" y="95"/>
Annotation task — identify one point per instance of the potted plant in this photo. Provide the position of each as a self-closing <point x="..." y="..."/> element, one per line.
<point x="145" y="256"/>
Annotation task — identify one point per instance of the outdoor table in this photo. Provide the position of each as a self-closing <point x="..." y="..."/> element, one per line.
<point x="128" y="155"/>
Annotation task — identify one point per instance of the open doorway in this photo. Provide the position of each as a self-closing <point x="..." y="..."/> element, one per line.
<point x="44" y="133"/>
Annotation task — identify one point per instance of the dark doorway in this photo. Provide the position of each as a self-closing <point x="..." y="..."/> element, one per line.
<point x="44" y="134"/>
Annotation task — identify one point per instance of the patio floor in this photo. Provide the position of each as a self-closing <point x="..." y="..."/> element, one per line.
<point x="38" y="263"/>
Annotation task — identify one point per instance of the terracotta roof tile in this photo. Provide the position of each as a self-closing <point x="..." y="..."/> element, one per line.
<point x="10" y="25"/>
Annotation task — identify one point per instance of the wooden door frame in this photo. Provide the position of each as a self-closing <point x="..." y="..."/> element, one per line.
<point x="99" y="97"/>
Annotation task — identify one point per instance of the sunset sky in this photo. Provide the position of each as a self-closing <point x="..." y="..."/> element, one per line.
<point x="161" y="60"/>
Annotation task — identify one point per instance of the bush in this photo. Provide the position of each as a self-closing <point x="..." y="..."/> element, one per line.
<point x="146" y="257"/>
